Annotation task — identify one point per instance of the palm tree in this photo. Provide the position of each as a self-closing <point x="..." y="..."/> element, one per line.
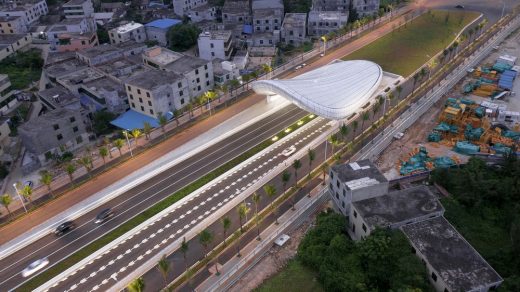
<point x="119" y="143"/>
<point x="136" y="133"/>
<point x="103" y="152"/>
<point x="333" y="140"/>
<point x="70" y="168"/>
<point x="391" y="97"/>
<point x="242" y="210"/>
<point x="354" y="127"/>
<point x="189" y="109"/>
<point x="324" y="170"/>
<point x="205" y="239"/>
<point x="164" y="267"/>
<point x="311" y="154"/>
<point x="177" y="113"/>
<point x="46" y="179"/>
<point x="163" y="121"/>
<point x="136" y="285"/>
<point x="364" y="117"/>
<point x="6" y="200"/>
<point x="344" y="131"/>
<point x="85" y="162"/>
<point x="106" y="142"/>
<point x="226" y="224"/>
<point x="399" y="89"/>
<point x="267" y="69"/>
<point x="286" y="176"/>
<point x="415" y="79"/>
<point x="297" y="164"/>
<point x="184" y="249"/>
<point x="270" y="191"/>
<point x="147" y="130"/>
<point x="256" y="200"/>
<point x="27" y="192"/>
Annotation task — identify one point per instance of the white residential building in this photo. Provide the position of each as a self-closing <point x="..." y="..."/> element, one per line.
<point x="267" y="15"/>
<point x="29" y="10"/>
<point x="12" y="25"/>
<point x="215" y="44"/>
<point x="366" y="7"/>
<point x="78" y="9"/>
<point x="130" y="31"/>
<point x="323" y="22"/>
<point x="181" y="7"/>
<point x="294" y="28"/>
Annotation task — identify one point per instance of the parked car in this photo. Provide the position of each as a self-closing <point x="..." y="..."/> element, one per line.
<point x="398" y="135"/>
<point x="64" y="228"/>
<point x="459" y="6"/>
<point x="289" y="151"/>
<point x="35" y="267"/>
<point x="298" y="67"/>
<point x="104" y="216"/>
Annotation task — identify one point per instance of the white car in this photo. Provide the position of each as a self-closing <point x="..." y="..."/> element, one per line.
<point x="289" y="151"/>
<point x="298" y="67"/>
<point x="398" y="135"/>
<point x="322" y="54"/>
<point x="303" y="65"/>
<point x="35" y="267"/>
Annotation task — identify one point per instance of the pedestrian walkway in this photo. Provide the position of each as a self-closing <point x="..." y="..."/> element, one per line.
<point x="232" y="270"/>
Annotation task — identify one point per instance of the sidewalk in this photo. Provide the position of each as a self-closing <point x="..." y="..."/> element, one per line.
<point x="196" y="134"/>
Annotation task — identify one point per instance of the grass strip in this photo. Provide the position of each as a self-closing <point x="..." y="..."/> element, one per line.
<point x="152" y="211"/>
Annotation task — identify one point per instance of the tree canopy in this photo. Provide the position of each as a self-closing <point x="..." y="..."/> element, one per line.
<point x="183" y="36"/>
<point x="344" y="265"/>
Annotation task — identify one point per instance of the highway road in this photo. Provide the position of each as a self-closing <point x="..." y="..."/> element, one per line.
<point x="145" y="195"/>
<point x="102" y="272"/>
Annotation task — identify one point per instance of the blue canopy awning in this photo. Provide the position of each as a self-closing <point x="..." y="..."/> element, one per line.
<point x="248" y="29"/>
<point x="135" y="120"/>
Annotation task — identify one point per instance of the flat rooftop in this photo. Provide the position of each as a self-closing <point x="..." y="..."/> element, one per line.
<point x="64" y="67"/>
<point x="236" y="7"/>
<point x="80" y="76"/>
<point x="399" y="206"/>
<point x="294" y="20"/>
<point x="459" y="265"/>
<point x="161" y="56"/>
<point x="359" y="174"/>
<point x="328" y="15"/>
<point x="8" y="18"/>
<point x="266" y="4"/>
<point x="74" y="3"/>
<point x="127" y="27"/>
<point x="185" y="64"/>
<point x="105" y="84"/>
<point x="152" y="79"/>
<point x="58" y="96"/>
<point x="216" y="34"/>
<point x="98" y="50"/>
<point x="164" y="23"/>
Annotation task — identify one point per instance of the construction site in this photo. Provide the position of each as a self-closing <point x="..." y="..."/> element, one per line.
<point x="479" y="116"/>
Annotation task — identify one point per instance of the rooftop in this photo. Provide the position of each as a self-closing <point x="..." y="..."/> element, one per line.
<point x="236" y="6"/>
<point x="7" y="39"/>
<point x="161" y="56"/>
<point x="356" y="174"/>
<point x="34" y="126"/>
<point x="294" y="20"/>
<point x="459" y="265"/>
<point x="127" y="27"/>
<point x="267" y="4"/>
<point x="164" y="23"/>
<point x="57" y="57"/>
<point x="80" y="76"/>
<point x="152" y="79"/>
<point x="58" y="96"/>
<point x="8" y="18"/>
<point x="216" y="34"/>
<point x="98" y="50"/>
<point x="105" y="84"/>
<point x="328" y="15"/>
<point x="64" y="67"/>
<point x="398" y="206"/>
<point x="74" y="3"/>
<point x="186" y="64"/>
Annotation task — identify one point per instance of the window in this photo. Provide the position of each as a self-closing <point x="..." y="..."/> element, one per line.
<point x="343" y="204"/>
<point x="337" y="183"/>
<point x="364" y="227"/>
<point x="211" y="45"/>
<point x="355" y="214"/>
<point x="75" y="129"/>
<point x="331" y="175"/>
<point x="206" y="67"/>
<point x="148" y="94"/>
<point x="138" y="91"/>
<point x="56" y="127"/>
<point x="181" y="93"/>
<point x="149" y="103"/>
<point x="179" y="84"/>
<point x="133" y="105"/>
<point x="261" y="42"/>
<point x="207" y="83"/>
<point x="72" y="119"/>
<point x="59" y="137"/>
<point x="140" y="100"/>
<point x="131" y="96"/>
<point x="213" y="54"/>
<point x="196" y="71"/>
<point x="142" y="108"/>
<point x="330" y="186"/>
<point x="344" y="192"/>
<point x="434" y="277"/>
<point x="207" y="75"/>
<point x="182" y="100"/>
<point x="337" y="196"/>
<point x="79" y="140"/>
<point x="151" y="112"/>
<point x="354" y="228"/>
<point x="198" y="80"/>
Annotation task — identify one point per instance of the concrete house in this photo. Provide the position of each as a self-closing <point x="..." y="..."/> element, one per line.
<point x="294" y="28"/>
<point x="215" y="44"/>
<point x="131" y="31"/>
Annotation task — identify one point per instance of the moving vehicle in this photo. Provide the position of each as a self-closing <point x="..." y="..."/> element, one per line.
<point x="289" y="151"/>
<point x="459" y="6"/>
<point x="104" y="216"/>
<point x="35" y="267"/>
<point x="398" y="135"/>
<point x="64" y="228"/>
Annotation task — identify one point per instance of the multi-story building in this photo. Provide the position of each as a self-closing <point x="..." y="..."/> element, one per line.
<point x="330" y="5"/>
<point x="7" y="98"/>
<point x="78" y="9"/>
<point x="156" y="92"/>
<point x="130" y="31"/>
<point x="12" y="25"/>
<point x="323" y="22"/>
<point x="107" y="52"/>
<point x="181" y="7"/>
<point x="294" y="28"/>
<point x="225" y="71"/>
<point x="266" y="39"/>
<point x="63" y="128"/>
<point x="58" y="97"/>
<point x="267" y="15"/>
<point x="236" y="12"/>
<point x="11" y="43"/>
<point x="158" y="29"/>
<point x="72" y="34"/>
<point x="215" y="44"/>
<point x="106" y="93"/>
<point x="205" y="12"/>
<point x="29" y="11"/>
<point x="366" y="7"/>
<point x="197" y="72"/>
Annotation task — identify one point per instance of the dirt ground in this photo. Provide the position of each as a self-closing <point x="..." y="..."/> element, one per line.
<point x="416" y="135"/>
<point x="274" y="260"/>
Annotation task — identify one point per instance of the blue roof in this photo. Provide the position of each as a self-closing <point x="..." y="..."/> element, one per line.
<point x="247" y="29"/>
<point x="135" y="120"/>
<point x="164" y="23"/>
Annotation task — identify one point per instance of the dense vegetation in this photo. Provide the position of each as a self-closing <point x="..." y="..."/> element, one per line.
<point x="183" y="36"/>
<point x="381" y="262"/>
<point x="293" y="277"/>
<point x="297" y="6"/>
<point x="485" y="208"/>
<point x="22" y="68"/>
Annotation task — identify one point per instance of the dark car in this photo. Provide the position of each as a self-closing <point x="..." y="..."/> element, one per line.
<point x="459" y="6"/>
<point x="104" y="216"/>
<point x="64" y="228"/>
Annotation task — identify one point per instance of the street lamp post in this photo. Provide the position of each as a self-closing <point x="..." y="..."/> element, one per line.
<point x="128" y="142"/>
<point x="19" y="196"/>
<point x="503" y="8"/>
<point x="324" y="39"/>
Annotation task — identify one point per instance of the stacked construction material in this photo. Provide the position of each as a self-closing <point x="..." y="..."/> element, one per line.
<point x="443" y="162"/>
<point x="444" y="127"/>
<point x="420" y="161"/>
<point x="501" y="149"/>
<point x="434" y="136"/>
<point x="473" y="134"/>
<point x="501" y="67"/>
<point x="511" y="134"/>
<point x="486" y="90"/>
<point x="466" y="147"/>
<point x="506" y="80"/>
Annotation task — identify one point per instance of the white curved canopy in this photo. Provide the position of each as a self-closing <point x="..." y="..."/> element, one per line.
<point x="334" y="91"/>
